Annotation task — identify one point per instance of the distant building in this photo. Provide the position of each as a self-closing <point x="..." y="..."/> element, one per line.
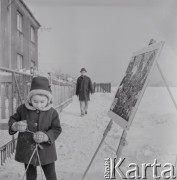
<point x="18" y="36"/>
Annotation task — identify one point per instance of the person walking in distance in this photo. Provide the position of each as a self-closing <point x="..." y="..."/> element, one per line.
<point x="83" y="89"/>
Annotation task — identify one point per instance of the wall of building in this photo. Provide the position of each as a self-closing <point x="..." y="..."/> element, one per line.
<point x="11" y="43"/>
<point x="4" y="34"/>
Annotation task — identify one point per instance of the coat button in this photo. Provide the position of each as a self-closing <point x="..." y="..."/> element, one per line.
<point x="37" y="111"/>
<point x="35" y="124"/>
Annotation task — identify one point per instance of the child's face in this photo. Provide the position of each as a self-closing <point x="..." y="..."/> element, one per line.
<point x="39" y="101"/>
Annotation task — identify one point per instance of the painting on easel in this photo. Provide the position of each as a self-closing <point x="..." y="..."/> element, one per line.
<point x="133" y="84"/>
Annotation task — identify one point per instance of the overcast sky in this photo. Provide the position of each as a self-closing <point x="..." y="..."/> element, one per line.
<point x="101" y="35"/>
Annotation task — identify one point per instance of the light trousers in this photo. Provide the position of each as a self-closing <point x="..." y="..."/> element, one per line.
<point x="83" y="107"/>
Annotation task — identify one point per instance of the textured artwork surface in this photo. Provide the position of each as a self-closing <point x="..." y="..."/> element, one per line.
<point x="132" y="84"/>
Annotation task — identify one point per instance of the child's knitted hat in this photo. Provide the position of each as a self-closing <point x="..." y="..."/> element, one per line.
<point x="40" y="85"/>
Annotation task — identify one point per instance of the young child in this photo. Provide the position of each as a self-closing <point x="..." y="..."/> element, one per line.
<point x="37" y="115"/>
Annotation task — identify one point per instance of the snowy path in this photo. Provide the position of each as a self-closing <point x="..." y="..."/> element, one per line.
<point x="76" y="144"/>
<point x="152" y="135"/>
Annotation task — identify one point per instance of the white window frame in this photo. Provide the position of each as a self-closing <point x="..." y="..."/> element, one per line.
<point x="19" y="61"/>
<point x="33" y="63"/>
<point x="19" y="21"/>
<point x="32" y="31"/>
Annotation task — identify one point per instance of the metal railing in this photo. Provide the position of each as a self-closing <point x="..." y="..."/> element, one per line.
<point x="7" y="150"/>
<point x="102" y="87"/>
<point x="14" y="88"/>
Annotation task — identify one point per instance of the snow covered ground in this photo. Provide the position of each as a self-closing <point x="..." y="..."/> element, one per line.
<point x="152" y="135"/>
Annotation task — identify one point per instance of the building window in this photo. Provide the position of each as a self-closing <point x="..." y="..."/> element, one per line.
<point x="33" y="63"/>
<point x="33" y="68"/>
<point x="19" y="61"/>
<point x="32" y="34"/>
<point x="19" y="22"/>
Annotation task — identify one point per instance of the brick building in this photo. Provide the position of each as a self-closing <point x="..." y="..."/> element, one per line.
<point x="18" y="36"/>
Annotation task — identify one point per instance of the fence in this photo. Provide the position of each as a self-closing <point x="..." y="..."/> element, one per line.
<point x="7" y="150"/>
<point x="102" y="87"/>
<point x="14" y="88"/>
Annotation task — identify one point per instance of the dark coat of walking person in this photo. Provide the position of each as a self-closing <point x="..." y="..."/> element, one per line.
<point x="83" y="89"/>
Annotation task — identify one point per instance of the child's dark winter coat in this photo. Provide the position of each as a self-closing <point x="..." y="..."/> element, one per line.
<point x="46" y="121"/>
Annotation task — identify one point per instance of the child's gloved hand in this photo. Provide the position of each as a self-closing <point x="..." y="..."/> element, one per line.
<point x="20" y="126"/>
<point x="40" y="137"/>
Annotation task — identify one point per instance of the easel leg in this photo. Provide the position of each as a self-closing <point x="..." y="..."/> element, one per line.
<point x="121" y="143"/>
<point x="166" y="84"/>
<point x="108" y="128"/>
<point x="152" y="41"/>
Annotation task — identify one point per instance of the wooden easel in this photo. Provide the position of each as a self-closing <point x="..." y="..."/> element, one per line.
<point x="108" y="128"/>
<point x="124" y="134"/>
<point x="122" y="141"/>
